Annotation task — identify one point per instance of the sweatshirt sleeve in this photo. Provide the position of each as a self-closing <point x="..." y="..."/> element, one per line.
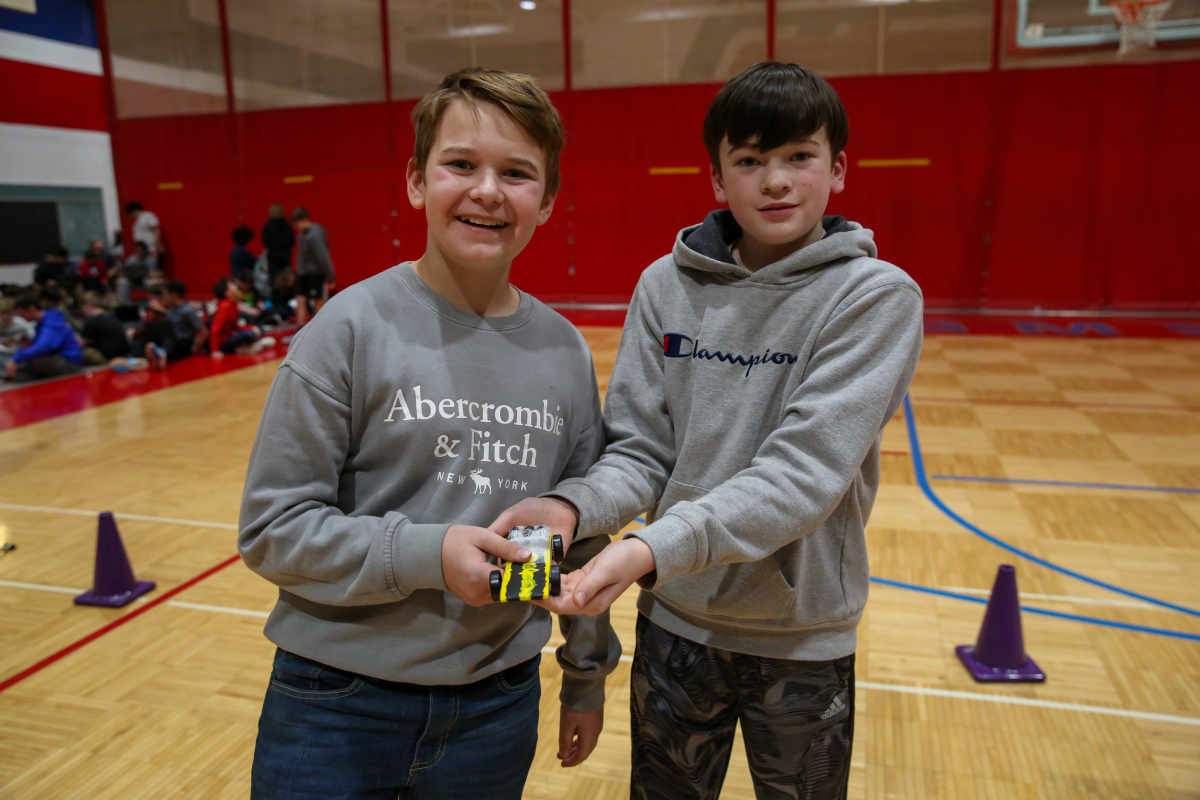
<point x="48" y="339"/>
<point x="291" y="530"/>
<point x="632" y="474"/>
<point x="592" y="650"/>
<point x="320" y="253"/>
<point x="217" y="326"/>
<point x="856" y="379"/>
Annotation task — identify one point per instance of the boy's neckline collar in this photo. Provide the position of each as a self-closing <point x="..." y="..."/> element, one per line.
<point x="715" y="237"/>
<point x="444" y="308"/>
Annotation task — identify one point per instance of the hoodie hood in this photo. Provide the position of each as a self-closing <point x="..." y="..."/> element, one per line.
<point x="707" y="247"/>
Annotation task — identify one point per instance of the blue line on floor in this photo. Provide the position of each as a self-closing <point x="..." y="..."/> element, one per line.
<point x="1069" y="484"/>
<point x="1107" y="623"/>
<point x="923" y="481"/>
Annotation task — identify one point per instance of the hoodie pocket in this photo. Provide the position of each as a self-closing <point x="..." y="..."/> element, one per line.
<point x="749" y="590"/>
<point x="753" y="590"/>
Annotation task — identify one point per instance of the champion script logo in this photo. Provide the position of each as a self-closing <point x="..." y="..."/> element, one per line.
<point x="676" y="345"/>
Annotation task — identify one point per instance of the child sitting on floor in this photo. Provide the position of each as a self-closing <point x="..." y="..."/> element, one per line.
<point x="226" y="334"/>
<point x="54" y="351"/>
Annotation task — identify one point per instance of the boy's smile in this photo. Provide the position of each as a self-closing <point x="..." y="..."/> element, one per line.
<point x="778" y="197"/>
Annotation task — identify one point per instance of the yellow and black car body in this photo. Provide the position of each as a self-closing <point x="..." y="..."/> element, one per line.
<point x="538" y="577"/>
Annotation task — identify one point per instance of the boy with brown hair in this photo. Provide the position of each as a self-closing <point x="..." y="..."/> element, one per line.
<point x="407" y="414"/>
<point x="759" y="363"/>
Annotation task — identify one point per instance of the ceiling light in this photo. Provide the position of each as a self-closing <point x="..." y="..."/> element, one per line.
<point x="528" y="5"/>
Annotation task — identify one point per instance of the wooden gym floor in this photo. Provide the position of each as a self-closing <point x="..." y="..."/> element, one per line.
<point x="1082" y="452"/>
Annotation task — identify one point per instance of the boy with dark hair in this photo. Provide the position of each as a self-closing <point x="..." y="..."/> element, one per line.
<point x="226" y="334"/>
<point x="54" y="267"/>
<point x="315" y="275"/>
<point x="146" y="227"/>
<point x="54" y="350"/>
<point x="240" y="257"/>
<point x="93" y="269"/>
<point x="173" y="328"/>
<point x="103" y="334"/>
<point x="15" y="331"/>
<point x="759" y="364"/>
<point x="134" y="271"/>
<point x="411" y="410"/>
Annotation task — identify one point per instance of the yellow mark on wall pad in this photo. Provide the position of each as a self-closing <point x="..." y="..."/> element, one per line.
<point x="674" y="170"/>
<point x="167" y="186"/>
<point x="298" y="179"/>
<point x="893" y="162"/>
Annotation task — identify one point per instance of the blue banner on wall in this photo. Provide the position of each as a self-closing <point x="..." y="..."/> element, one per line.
<point x="71" y="21"/>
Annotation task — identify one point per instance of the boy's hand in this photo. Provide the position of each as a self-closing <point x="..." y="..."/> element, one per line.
<point x="559" y="515"/>
<point x="578" y="732"/>
<point x="464" y="561"/>
<point x="598" y="583"/>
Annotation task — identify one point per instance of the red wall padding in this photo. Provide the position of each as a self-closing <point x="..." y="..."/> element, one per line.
<point x="1060" y="188"/>
<point x="33" y="94"/>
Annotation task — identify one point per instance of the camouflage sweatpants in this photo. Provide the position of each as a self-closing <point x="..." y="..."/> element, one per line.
<point x="686" y="700"/>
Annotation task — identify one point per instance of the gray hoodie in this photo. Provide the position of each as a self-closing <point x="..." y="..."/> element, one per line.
<point x="394" y="415"/>
<point x="745" y="414"/>
<point x="312" y="253"/>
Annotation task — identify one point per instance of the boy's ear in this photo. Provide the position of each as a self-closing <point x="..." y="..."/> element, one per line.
<point x="547" y="207"/>
<point x="718" y="184"/>
<point x="840" y="165"/>
<point x="414" y="181"/>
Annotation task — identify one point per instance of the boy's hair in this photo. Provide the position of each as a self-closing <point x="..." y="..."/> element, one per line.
<point x="518" y="96"/>
<point x="220" y="288"/>
<point x="242" y="235"/>
<point x="133" y="206"/>
<point x="770" y="104"/>
<point x="176" y="287"/>
<point x="27" y="301"/>
<point x="299" y="213"/>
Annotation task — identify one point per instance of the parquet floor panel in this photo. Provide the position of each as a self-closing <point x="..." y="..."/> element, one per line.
<point x="166" y="706"/>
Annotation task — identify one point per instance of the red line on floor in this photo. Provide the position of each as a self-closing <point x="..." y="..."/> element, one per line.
<point x="38" y="402"/>
<point x="893" y="452"/>
<point x="116" y="623"/>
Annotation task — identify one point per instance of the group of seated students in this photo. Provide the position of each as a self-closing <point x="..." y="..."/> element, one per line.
<point x="100" y="269"/>
<point x="47" y="332"/>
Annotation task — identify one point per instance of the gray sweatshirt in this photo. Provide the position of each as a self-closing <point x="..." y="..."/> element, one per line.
<point x="394" y="415"/>
<point x="312" y="253"/>
<point x="745" y="414"/>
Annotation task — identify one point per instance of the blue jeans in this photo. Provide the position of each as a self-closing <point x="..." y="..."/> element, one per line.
<point x="325" y="733"/>
<point x="236" y="339"/>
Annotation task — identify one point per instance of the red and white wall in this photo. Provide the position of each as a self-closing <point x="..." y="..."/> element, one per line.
<point x="1064" y="188"/>
<point x="54" y="126"/>
<point x="1060" y="187"/>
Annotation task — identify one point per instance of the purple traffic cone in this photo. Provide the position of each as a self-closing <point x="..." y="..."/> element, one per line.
<point x="999" y="652"/>
<point x="113" y="584"/>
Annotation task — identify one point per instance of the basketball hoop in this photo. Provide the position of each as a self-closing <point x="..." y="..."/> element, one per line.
<point x="1139" y="21"/>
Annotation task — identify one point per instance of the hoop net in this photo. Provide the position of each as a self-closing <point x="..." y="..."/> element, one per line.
<point x="1139" y="23"/>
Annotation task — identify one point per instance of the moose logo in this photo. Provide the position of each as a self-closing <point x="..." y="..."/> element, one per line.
<point x="481" y="483"/>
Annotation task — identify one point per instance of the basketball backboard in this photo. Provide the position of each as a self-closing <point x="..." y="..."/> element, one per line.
<point x="1056" y="24"/>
